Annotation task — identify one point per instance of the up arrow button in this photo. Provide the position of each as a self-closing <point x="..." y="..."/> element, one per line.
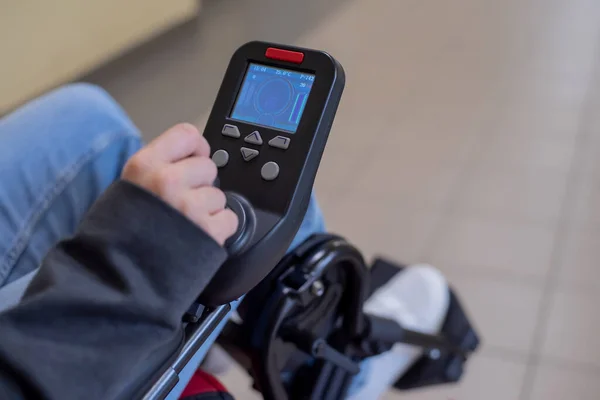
<point x="254" y="138"/>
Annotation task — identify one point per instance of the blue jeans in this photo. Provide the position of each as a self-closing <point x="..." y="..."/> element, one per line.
<point x="58" y="153"/>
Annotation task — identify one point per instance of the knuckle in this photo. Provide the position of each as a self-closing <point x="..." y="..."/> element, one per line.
<point x="222" y="227"/>
<point x="190" y="132"/>
<point x="187" y="128"/>
<point x="214" y="199"/>
<point x="221" y="199"/>
<point x="209" y="167"/>
<point x="232" y="222"/>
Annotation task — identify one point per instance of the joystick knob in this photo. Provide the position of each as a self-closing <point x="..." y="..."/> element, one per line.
<point x="242" y="237"/>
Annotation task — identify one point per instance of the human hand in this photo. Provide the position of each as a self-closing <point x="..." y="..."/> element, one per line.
<point x="176" y="167"/>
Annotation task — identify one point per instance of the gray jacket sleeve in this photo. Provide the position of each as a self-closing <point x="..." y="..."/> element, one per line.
<point x="103" y="315"/>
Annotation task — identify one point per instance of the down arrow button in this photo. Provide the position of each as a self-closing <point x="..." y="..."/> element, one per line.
<point x="248" y="154"/>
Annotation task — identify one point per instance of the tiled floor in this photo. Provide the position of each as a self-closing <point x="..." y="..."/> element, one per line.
<point x="468" y="137"/>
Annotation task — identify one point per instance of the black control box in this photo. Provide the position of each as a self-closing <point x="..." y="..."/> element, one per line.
<point x="267" y="131"/>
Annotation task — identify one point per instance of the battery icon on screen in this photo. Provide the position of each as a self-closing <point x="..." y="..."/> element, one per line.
<point x="298" y="108"/>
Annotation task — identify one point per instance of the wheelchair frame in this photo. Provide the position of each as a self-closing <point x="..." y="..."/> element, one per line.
<point x="303" y="331"/>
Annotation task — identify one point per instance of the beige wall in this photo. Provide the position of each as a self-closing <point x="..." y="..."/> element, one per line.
<point x="46" y="43"/>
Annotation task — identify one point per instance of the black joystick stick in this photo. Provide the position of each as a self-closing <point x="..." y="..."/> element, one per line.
<point x="242" y="237"/>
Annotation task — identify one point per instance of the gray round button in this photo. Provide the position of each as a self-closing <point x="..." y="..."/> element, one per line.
<point x="221" y="158"/>
<point x="269" y="171"/>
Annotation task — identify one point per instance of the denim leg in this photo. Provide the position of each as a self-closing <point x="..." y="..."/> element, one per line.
<point x="58" y="153"/>
<point x="313" y="222"/>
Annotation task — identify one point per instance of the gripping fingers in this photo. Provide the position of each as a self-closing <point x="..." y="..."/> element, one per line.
<point x="222" y="225"/>
<point x="194" y="172"/>
<point x="204" y="201"/>
<point x="177" y="143"/>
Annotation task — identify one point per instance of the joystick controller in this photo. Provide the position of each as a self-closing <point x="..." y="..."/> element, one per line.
<point x="267" y="130"/>
<point x="242" y="237"/>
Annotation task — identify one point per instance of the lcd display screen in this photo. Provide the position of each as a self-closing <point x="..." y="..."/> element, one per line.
<point x="273" y="97"/>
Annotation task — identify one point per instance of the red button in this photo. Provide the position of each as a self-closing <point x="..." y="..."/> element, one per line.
<point x="284" y="55"/>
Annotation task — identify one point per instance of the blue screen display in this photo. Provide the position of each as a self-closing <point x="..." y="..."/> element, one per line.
<point x="273" y="97"/>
